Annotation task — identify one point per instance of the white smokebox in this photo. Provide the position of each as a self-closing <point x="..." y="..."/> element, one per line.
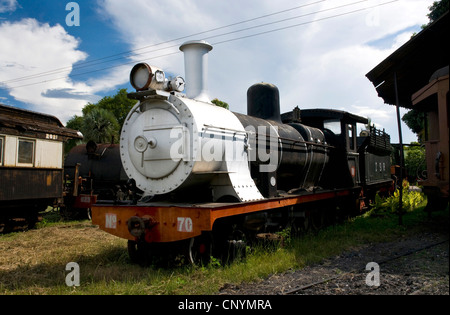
<point x="196" y="69"/>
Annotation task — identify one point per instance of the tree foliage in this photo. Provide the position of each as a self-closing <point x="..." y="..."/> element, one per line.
<point x="437" y="9"/>
<point x="100" y="125"/>
<point x="414" y="119"/>
<point x="119" y="105"/>
<point x="102" y="121"/>
<point x="415" y="162"/>
<point x="217" y="102"/>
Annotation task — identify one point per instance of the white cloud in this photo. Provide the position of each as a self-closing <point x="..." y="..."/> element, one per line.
<point x="8" y="5"/>
<point x="43" y="48"/>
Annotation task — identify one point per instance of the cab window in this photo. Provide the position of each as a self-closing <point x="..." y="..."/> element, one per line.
<point x="334" y="125"/>
<point x="351" y="137"/>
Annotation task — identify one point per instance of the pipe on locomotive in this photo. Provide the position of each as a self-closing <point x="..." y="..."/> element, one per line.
<point x="196" y="69"/>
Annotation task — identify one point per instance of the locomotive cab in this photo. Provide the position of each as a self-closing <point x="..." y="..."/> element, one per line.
<point x="339" y="128"/>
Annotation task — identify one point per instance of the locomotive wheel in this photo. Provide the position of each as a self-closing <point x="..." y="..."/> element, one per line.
<point x="319" y="219"/>
<point x="200" y="249"/>
<point x="235" y="248"/>
<point x="134" y="252"/>
<point x="139" y="252"/>
<point x="304" y="224"/>
<point x="67" y="212"/>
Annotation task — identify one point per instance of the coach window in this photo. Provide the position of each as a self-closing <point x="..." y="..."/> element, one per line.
<point x="25" y="152"/>
<point x="1" y="150"/>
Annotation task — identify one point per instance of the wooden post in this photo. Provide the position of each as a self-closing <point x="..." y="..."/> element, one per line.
<point x="402" y="161"/>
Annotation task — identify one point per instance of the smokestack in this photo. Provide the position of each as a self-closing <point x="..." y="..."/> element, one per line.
<point x="196" y="68"/>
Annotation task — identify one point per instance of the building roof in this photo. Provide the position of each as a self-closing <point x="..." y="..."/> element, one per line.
<point x="413" y="63"/>
<point x="13" y="118"/>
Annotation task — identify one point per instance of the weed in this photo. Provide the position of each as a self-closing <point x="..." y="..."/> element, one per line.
<point x="383" y="206"/>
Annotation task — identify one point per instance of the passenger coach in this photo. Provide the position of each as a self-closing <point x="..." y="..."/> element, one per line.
<point x="31" y="164"/>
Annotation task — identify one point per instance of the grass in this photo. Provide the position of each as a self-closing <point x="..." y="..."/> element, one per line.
<point x="33" y="262"/>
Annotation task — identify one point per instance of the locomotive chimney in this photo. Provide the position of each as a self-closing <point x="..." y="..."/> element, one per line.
<point x="196" y="68"/>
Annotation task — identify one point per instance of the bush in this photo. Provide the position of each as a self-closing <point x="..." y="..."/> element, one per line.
<point x="389" y="205"/>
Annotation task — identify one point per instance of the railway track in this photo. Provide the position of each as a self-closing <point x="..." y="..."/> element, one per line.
<point x="359" y="271"/>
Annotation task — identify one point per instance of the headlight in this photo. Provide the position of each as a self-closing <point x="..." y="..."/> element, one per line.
<point x="143" y="77"/>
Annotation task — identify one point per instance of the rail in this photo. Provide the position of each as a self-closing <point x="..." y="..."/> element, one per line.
<point x="410" y="252"/>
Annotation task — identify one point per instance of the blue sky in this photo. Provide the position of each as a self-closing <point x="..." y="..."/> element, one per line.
<point x="316" y="52"/>
<point x="95" y="33"/>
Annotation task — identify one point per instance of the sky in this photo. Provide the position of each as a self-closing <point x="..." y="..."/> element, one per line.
<point x="56" y="56"/>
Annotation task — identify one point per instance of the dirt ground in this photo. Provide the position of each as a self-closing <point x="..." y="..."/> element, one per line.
<point x="416" y="264"/>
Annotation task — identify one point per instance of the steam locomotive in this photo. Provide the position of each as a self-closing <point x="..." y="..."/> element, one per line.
<point x="92" y="171"/>
<point x="213" y="179"/>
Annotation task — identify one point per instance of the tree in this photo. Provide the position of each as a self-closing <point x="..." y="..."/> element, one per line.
<point x="415" y="161"/>
<point x="100" y="125"/>
<point x="101" y="121"/>
<point x="217" y="102"/>
<point x="414" y="119"/>
<point x="119" y="105"/>
<point x="437" y="9"/>
<point x="74" y="123"/>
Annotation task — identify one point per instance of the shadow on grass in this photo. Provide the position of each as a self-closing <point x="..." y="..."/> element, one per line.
<point x="110" y="271"/>
<point x="98" y="275"/>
